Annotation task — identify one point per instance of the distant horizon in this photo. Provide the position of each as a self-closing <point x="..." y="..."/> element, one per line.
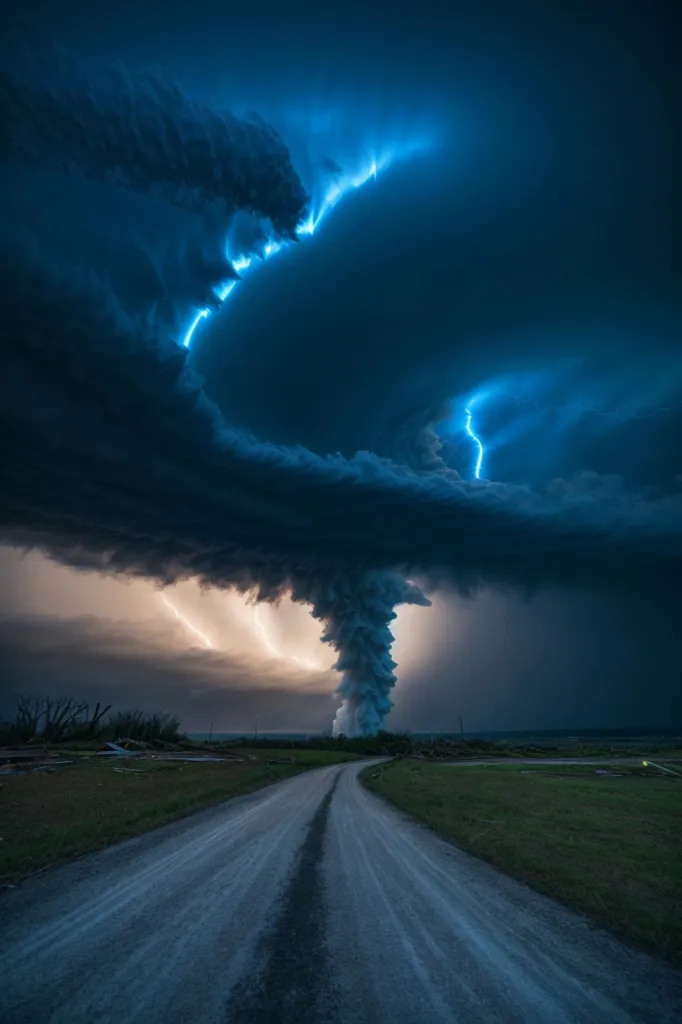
<point x="631" y="732"/>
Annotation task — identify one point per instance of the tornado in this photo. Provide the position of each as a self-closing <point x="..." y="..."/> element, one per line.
<point x="357" y="610"/>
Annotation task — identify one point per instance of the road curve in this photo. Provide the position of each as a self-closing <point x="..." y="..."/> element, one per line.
<point x="310" y="902"/>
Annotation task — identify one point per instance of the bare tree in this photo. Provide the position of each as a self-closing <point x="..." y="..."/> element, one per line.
<point x="60" y="716"/>
<point x="29" y="712"/>
<point x="93" y="723"/>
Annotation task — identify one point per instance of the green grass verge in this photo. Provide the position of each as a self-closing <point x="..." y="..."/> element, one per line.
<point x="607" y="846"/>
<point x="46" y="819"/>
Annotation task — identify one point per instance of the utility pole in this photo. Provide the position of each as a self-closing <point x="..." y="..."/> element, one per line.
<point x="210" y="731"/>
<point x="255" y="732"/>
<point x="461" y="728"/>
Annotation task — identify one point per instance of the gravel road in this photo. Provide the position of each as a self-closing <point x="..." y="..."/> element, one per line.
<point x="311" y="902"/>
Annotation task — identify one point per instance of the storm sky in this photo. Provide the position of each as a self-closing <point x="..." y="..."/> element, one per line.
<point x="503" y="243"/>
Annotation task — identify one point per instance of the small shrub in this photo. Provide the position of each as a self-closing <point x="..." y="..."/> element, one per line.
<point x="142" y="725"/>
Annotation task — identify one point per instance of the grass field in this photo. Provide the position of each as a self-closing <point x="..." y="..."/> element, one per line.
<point x="46" y="819"/>
<point x="607" y="846"/>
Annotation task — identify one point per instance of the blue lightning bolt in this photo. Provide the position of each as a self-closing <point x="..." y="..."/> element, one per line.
<point x="337" y="192"/>
<point x="193" y="326"/>
<point x="477" y="442"/>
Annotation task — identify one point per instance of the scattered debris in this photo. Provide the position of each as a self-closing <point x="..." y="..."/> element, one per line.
<point x="24" y="762"/>
<point x="128" y="744"/>
<point x="147" y="753"/>
<point x="116" y="750"/>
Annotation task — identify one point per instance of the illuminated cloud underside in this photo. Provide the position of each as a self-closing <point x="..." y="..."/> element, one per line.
<point x="257" y="620"/>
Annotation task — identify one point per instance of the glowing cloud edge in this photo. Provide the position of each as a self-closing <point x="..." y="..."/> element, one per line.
<point x="333" y="197"/>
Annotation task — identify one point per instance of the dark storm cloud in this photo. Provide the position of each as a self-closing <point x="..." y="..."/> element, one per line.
<point x="415" y="442"/>
<point x="141" y="665"/>
<point x="113" y="457"/>
<point x="143" y="132"/>
<point x="162" y="262"/>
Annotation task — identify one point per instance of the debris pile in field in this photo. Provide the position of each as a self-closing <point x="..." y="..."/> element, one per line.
<point x="26" y="760"/>
<point x="145" y="752"/>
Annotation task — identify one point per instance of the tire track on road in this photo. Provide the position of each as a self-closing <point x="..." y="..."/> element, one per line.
<point x="295" y="976"/>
